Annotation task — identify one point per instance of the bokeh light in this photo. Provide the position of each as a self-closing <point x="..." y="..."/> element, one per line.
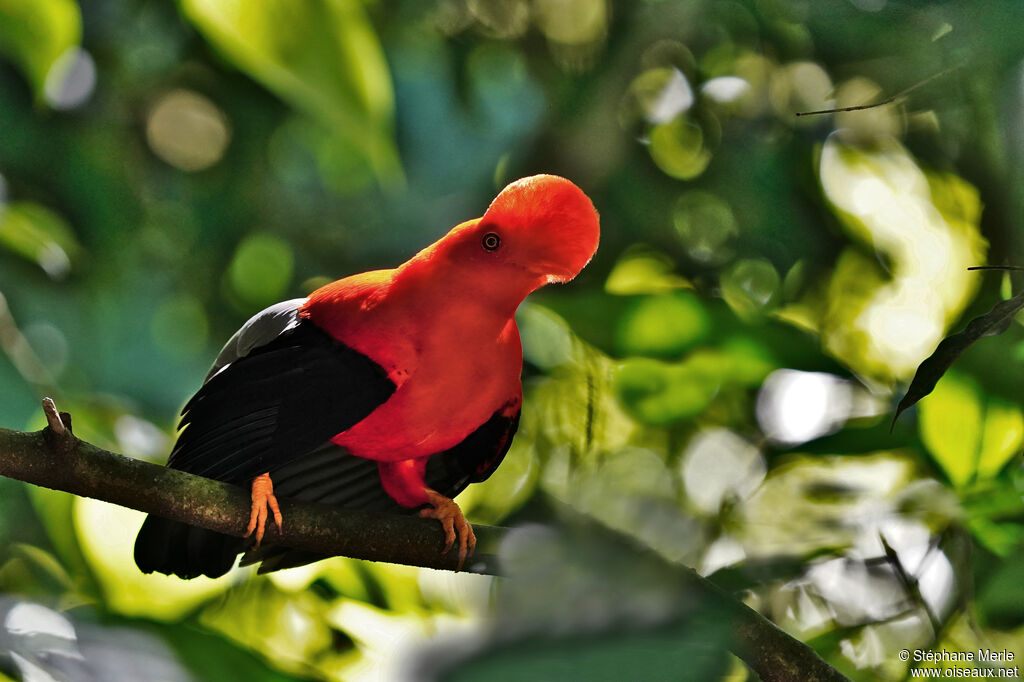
<point x="795" y="407"/>
<point x="501" y="18"/>
<point x="187" y="130"/>
<point x="658" y="96"/>
<point x="706" y="227"/>
<point x="679" y="148"/>
<point x="751" y="287"/>
<point x="719" y="467"/>
<point x="260" y="269"/>
<point x="801" y="87"/>
<point x="71" y="80"/>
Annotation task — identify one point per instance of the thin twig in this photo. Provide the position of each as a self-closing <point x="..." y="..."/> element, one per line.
<point x="899" y="96"/>
<point x="53" y="417"/>
<point x="910" y="583"/>
<point x="995" y="267"/>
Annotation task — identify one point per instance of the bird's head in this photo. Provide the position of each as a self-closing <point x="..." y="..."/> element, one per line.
<point x="543" y="224"/>
<point x="538" y="230"/>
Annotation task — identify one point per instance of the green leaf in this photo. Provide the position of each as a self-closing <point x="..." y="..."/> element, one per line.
<point x="640" y="271"/>
<point x="659" y="393"/>
<point x="35" y="33"/>
<point x="655" y="654"/>
<point x="951" y="425"/>
<point x="322" y="56"/>
<point x="1001" y="539"/>
<point x="662" y="326"/>
<point x="931" y="370"/>
<point x="1000" y="601"/>
<point x="45" y="563"/>
<point x="1001" y="437"/>
<point x="40" y="235"/>
<point x="209" y="656"/>
<point x="969" y="435"/>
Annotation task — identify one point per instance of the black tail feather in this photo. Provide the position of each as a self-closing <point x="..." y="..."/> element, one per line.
<point x="175" y="548"/>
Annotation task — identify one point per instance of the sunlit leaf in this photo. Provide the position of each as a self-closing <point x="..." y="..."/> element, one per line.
<point x="211" y="657"/>
<point x="45" y="562"/>
<point x="1001" y="438"/>
<point x="794" y="280"/>
<point x="659" y="393"/>
<point x="289" y="627"/>
<point x="644" y="272"/>
<point x="36" y="33"/>
<point x="812" y="503"/>
<point x="576" y="411"/>
<point x="951" y="426"/>
<point x="547" y="339"/>
<point x="719" y="467"/>
<point x="1001" y="539"/>
<point x="106" y="533"/>
<point x="747" y="362"/>
<point x="39" y="234"/>
<point x="924" y="227"/>
<point x="662" y="326"/>
<point x="323" y="57"/>
<point x="950" y="348"/>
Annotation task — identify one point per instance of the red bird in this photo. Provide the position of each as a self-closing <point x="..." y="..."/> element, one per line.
<point x="390" y="390"/>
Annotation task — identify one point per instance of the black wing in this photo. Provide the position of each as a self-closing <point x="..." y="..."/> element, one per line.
<point x="277" y="404"/>
<point x="475" y="458"/>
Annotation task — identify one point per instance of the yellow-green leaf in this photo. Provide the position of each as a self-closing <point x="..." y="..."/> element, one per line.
<point x="39" y="234"/>
<point x="644" y="272"/>
<point x="659" y="393"/>
<point x="35" y="33"/>
<point x="662" y="326"/>
<point x="106" y="534"/>
<point x="1001" y="438"/>
<point x="321" y="56"/>
<point x="951" y="426"/>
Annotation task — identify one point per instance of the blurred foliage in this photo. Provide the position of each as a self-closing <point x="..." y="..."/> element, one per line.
<point x="716" y="386"/>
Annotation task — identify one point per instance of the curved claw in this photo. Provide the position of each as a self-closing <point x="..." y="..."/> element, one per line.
<point x="262" y="498"/>
<point x="455" y="525"/>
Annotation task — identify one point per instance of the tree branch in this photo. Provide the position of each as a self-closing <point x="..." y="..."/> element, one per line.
<point x="54" y="458"/>
<point x="61" y="461"/>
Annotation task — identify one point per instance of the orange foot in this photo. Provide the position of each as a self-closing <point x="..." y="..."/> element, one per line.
<point x="262" y="497"/>
<point x="454" y="523"/>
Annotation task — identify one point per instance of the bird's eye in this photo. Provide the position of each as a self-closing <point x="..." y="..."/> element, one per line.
<point x="491" y="241"/>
